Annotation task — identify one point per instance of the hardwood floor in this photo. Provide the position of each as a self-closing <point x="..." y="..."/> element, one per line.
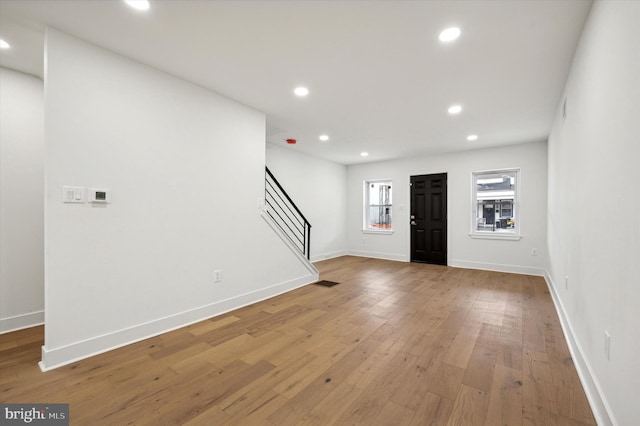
<point x="393" y="344"/>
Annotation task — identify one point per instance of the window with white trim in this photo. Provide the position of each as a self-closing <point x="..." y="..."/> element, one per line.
<point x="378" y="205"/>
<point x="495" y="204"/>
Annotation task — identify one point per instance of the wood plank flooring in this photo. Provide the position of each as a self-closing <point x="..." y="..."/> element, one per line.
<point x="392" y="344"/>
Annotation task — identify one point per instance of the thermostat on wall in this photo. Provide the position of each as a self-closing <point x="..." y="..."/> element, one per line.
<point x="99" y="195"/>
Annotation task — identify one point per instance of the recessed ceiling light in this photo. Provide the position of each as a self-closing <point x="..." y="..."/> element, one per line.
<point x="364" y="154"/>
<point x="4" y="44"/>
<point x="301" y="91"/>
<point x="454" y="109"/>
<point x="449" y="34"/>
<point x="472" y="137"/>
<point x="138" y="4"/>
<point x="324" y="138"/>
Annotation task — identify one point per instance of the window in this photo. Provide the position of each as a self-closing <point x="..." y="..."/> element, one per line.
<point x="377" y="206"/>
<point x="495" y="204"/>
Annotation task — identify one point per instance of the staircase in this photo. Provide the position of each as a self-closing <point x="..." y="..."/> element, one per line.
<point x="286" y="216"/>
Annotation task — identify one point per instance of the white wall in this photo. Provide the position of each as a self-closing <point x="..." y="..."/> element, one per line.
<point x="185" y="167"/>
<point x="463" y="251"/>
<point x="21" y="201"/>
<point x="594" y="200"/>
<point x="318" y="187"/>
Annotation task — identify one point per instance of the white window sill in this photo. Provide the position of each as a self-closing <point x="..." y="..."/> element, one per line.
<point x="380" y="232"/>
<point x="494" y="236"/>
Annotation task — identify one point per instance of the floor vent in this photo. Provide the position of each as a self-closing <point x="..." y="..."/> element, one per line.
<point x="325" y="283"/>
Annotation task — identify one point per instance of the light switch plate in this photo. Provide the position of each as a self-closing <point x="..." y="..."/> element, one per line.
<point x="73" y="194"/>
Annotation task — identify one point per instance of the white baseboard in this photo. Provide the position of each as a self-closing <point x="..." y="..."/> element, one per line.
<point x="497" y="267"/>
<point x="597" y="401"/>
<point x="57" y="357"/>
<point x="327" y="256"/>
<point x="19" y="322"/>
<point x="377" y="255"/>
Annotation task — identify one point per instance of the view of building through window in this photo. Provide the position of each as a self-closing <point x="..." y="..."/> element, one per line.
<point x="378" y="205"/>
<point x="495" y="201"/>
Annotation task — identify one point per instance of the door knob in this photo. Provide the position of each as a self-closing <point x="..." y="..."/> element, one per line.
<point x="413" y="222"/>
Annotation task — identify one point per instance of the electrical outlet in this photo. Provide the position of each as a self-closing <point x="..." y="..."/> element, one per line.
<point x="566" y="282"/>
<point x="364" y="241"/>
<point x="534" y="252"/>
<point x="217" y="276"/>
<point x="607" y="345"/>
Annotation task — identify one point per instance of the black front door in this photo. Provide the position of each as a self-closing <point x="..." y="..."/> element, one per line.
<point x="429" y="218"/>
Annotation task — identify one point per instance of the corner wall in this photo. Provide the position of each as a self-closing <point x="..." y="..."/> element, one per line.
<point x="463" y="251"/>
<point x="594" y="205"/>
<point x="185" y="167"/>
<point x="318" y="187"/>
<point x="21" y="201"/>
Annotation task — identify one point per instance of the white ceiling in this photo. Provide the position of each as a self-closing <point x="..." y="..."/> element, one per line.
<point x="379" y="78"/>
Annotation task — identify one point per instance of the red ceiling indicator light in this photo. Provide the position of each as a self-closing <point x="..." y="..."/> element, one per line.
<point x="291" y="141"/>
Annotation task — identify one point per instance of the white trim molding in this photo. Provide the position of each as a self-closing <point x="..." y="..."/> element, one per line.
<point x="497" y="267"/>
<point x="379" y="232"/>
<point x="601" y="409"/>
<point x="376" y="255"/>
<point x="327" y="256"/>
<point x="22" y="321"/>
<point x="493" y="236"/>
